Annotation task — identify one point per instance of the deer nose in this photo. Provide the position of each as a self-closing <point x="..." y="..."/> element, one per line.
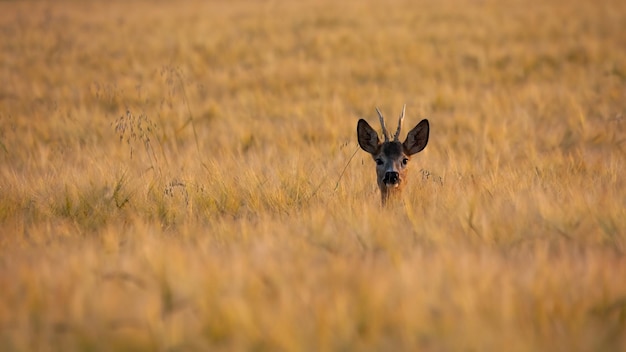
<point x="391" y="178"/>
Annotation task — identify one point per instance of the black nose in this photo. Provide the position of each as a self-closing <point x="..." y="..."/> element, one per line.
<point x="391" y="178"/>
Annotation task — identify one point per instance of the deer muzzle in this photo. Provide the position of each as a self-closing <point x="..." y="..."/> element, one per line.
<point x="391" y="179"/>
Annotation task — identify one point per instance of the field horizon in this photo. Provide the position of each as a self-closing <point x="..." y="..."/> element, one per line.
<point x="186" y="176"/>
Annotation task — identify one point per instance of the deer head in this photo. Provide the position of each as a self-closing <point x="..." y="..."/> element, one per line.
<point x="392" y="157"/>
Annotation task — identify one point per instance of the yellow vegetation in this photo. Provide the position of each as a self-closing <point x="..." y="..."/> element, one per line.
<point x="172" y="176"/>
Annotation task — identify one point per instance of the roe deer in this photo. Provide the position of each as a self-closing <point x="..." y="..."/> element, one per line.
<point x="392" y="157"/>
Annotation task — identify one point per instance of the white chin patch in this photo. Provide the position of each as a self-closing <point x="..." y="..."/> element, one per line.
<point x="392" y="185"/>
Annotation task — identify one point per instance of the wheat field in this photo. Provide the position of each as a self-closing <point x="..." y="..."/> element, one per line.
<point x="185" y="176"/>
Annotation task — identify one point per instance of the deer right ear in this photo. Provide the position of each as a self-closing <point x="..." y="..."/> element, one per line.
<point x="417" y="138"/>
<point x="368" y="138"/>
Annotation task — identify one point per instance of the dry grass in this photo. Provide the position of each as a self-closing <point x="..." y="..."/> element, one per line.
<point x="171" y="176"/>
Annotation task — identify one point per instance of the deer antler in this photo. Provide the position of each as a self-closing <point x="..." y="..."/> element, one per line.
<point x="382" y="123"/>
<point x="397" y="135"/>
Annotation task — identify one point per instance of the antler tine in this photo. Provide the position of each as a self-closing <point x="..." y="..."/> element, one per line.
<point x="382" y="123"/>
<point x="397" y="135"/>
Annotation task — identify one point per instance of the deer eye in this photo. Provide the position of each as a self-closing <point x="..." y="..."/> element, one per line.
<point x="379" y="161"/>
<point x="405" y="161"/>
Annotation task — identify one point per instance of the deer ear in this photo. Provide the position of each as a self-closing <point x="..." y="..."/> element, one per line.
<point x="368" y="138"/>
<point x="417" y="138"/>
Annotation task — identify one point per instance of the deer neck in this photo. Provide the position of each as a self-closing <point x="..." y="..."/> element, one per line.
<point x="388" y="195"/>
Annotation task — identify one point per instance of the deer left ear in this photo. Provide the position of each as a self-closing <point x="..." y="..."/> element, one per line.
<point x="367" y="137"/>
<point x="417" y="138"/>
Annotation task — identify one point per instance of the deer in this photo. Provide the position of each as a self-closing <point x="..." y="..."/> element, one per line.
<point x="392" y="157"/>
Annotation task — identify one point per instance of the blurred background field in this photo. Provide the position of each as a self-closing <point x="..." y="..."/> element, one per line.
<point x="182" y="176"/>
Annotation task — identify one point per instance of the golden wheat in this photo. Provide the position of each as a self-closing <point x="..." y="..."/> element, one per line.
<point x="183" y="176"/>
